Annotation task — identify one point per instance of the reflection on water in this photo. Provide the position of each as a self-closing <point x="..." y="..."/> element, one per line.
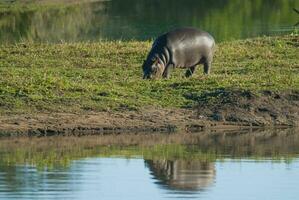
<point x="59" y="151"/>
<point x="120" y="178"/>
<point x="182" y="174"/>
<point x="26" y="182"/>
<point x="109" y="178"/>
<point x="144" y="19"/>
<point x="248" y="165"/>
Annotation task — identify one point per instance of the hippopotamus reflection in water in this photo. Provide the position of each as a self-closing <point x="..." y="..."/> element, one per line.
<point x="182" y="175"/>
<point x="184" y="48"/>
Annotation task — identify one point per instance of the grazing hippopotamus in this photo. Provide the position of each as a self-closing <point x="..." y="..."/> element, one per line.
<point x="182" y="47"/>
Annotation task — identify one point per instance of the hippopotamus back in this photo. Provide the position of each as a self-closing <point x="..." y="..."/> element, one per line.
<point x="184" y="48"/>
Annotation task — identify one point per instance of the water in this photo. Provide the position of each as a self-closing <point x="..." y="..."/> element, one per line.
<point x="145" y="19"/>
<point x="120" y="178"/>
<point x="250" y="166"/>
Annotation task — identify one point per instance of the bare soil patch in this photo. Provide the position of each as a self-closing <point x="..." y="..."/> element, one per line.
<point x="266" y="108"/>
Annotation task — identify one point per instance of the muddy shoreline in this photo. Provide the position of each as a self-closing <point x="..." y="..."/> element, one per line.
<point x="228" y="110"/>
<point x="162" y="121"/>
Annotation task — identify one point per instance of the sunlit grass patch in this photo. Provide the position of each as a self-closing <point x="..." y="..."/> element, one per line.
<point x="107" y="75"/>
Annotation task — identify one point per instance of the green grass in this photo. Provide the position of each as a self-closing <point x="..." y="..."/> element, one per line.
<point x="75" y="77"/>
<point x="10" y="6"/>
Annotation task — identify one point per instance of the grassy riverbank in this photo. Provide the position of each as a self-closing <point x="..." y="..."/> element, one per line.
<point x="107" y="75"/>
<point x="255" y="81"/>
<point x="30" y="5"/>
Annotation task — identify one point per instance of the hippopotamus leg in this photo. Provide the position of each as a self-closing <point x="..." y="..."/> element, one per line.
<point x="207" y="64"/>
<point x="166" y="72"/>
<point x="190" y="71"/>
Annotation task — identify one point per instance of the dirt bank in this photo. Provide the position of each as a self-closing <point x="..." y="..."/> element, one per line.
<point x="145" y="120"/>
<point x="265" y="108"/>
<point x="221" y="109"/>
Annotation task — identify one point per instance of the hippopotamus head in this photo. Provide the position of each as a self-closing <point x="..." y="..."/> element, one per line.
<point x="152" y="68"/>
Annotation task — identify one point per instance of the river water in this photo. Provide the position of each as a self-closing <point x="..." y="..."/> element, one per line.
<point x="120" y="178"/>
<point x="145" y="19"/>
<point x="263" y="165"/>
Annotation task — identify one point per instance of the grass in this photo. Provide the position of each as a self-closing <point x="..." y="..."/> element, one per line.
<point x="107" y="75"/>
<point x="8" y="6"/>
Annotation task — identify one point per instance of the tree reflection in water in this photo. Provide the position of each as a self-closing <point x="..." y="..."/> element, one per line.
<point x="145" y="19"/>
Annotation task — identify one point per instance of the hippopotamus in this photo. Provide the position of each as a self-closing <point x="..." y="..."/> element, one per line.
<point x="183" y="48"/>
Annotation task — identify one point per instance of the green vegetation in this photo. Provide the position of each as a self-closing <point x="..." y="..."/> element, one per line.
<point x="8" y="6"/>
<point x="75" y="77"/>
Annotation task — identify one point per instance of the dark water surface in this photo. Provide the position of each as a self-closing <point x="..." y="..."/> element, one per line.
<point x="263" y="165"/>
<point x="145" y="19"/>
